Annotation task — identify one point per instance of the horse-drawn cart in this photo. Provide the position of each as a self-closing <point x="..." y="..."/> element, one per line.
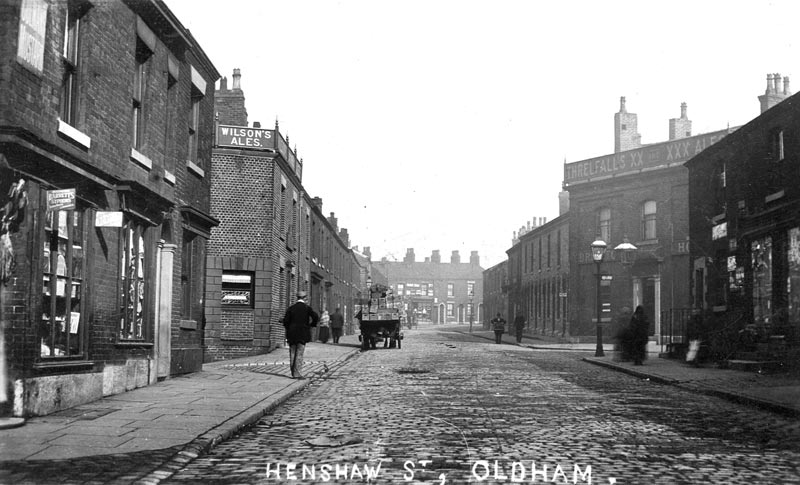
<point x="378" y="320"/>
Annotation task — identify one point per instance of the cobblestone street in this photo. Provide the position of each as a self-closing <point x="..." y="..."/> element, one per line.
<point x="450" y="408"/>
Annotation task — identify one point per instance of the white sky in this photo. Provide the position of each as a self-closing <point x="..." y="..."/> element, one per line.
<point x="445" y="124"/>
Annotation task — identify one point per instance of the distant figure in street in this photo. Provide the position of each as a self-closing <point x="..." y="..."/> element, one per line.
<point x="499" y="327"/>
<point x="638" y="330"/>
<point x="337" y="325"/>
<point x="298" y="320"/>
<point x="519" y="326"/>
<point x="324" y="327"/>
<point x="623" y="335"/>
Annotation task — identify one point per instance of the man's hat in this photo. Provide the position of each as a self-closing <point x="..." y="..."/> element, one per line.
<point x="301" y="295"/>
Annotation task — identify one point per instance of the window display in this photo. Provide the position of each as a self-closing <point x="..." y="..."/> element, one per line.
<point x="62" y="289"/>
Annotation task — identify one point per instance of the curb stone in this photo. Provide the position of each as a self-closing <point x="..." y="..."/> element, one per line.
<point x="205" y="443"/>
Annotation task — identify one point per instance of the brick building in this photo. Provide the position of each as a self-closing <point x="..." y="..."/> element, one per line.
<point x="495" y="293"/>
<point x="272" y="239"/>
<point x="637" y="195"/>
<point x="745" y="232"/>
<point x="538" y="276"/>
<point x="436" y="291"/>
<point x="106" y="123"/>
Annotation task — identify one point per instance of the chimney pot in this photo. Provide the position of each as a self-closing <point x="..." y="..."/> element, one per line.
<point x="237" y="78"/>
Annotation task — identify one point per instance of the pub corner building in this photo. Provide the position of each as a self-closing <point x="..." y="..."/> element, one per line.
<point x="106" y="131"/>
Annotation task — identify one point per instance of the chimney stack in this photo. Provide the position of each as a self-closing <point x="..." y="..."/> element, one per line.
<point x="626" y="130"/>
<point x="334" y="222"/>
<point x="773" y="94"/>
<point x="368" y="253"/>
<point x="436" y="257"/>
<point x="237" y="78"/>
<point x="229" y="105"/>
<point x="680" y="127"/>
<point x="410" y="258"/>
<point x="455" y="258"/>
<point x="474" y="259"/>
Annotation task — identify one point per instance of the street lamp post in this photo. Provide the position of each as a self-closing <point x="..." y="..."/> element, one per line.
<point x="598" y="251"/>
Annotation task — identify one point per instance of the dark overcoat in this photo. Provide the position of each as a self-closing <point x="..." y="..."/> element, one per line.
<point x="298" y="320"/>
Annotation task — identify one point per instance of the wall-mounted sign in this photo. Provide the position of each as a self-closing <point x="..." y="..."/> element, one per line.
<point x="647" y="157"/>
<point x="244" y="137"/>
<point x="108" y="219"/>
<point x="32" y="26"/>
<point x="61" y="200"/>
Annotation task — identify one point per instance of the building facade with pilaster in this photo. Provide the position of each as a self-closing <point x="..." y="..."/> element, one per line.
<point x="272" y="239"/>
<point x="637" y="195"/>
<point x="745" y="232"/>
<point x="106" y="124"/>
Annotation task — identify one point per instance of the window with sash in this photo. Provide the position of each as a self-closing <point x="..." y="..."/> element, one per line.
<point x="143" y="55"/>
<point x="649" y="220"/>
<point x="71" y="56"/>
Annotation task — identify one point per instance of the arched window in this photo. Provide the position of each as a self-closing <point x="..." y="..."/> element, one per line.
<point x="649" y="220"/>
<point x="604" y="223"/>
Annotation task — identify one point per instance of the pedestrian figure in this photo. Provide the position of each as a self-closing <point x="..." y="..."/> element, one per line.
<point x="519" y="326"/>
<point x="624" y="341"/>
<point x="638" y="331"/>
<point x="337" y="325"/>
<point x="298" y="320"/>
<point x="499" y="327"/>
<point x="324" y="327"/>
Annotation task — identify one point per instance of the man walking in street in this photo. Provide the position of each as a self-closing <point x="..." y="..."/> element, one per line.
<point x="298" y="320"/>
<point x="499" y="327"/>
<point x="337" y="325"/>
<point x="519" y="326"/>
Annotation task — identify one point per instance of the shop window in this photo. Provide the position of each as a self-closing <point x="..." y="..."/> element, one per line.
<point x="761" y="259"/>
<point x="133" y="282"/>
<point x="192" y="271"/>
<point x="237" y="289"/>
<point x="794" y="275"/>
<point x="63" y="257"/>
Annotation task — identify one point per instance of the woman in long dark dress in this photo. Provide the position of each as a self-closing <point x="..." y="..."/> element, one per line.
<point x="639" y="329"/>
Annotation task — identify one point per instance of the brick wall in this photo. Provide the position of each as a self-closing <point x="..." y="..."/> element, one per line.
<point x="104" y="175"/>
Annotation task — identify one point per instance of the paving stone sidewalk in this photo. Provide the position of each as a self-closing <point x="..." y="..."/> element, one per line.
<point x="190" y="412"/>
<point x="779" y="392"/>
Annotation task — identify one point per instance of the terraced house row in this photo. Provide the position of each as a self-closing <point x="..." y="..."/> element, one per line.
<point x="701" y="230"/>
<point x="115" y="203"/>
